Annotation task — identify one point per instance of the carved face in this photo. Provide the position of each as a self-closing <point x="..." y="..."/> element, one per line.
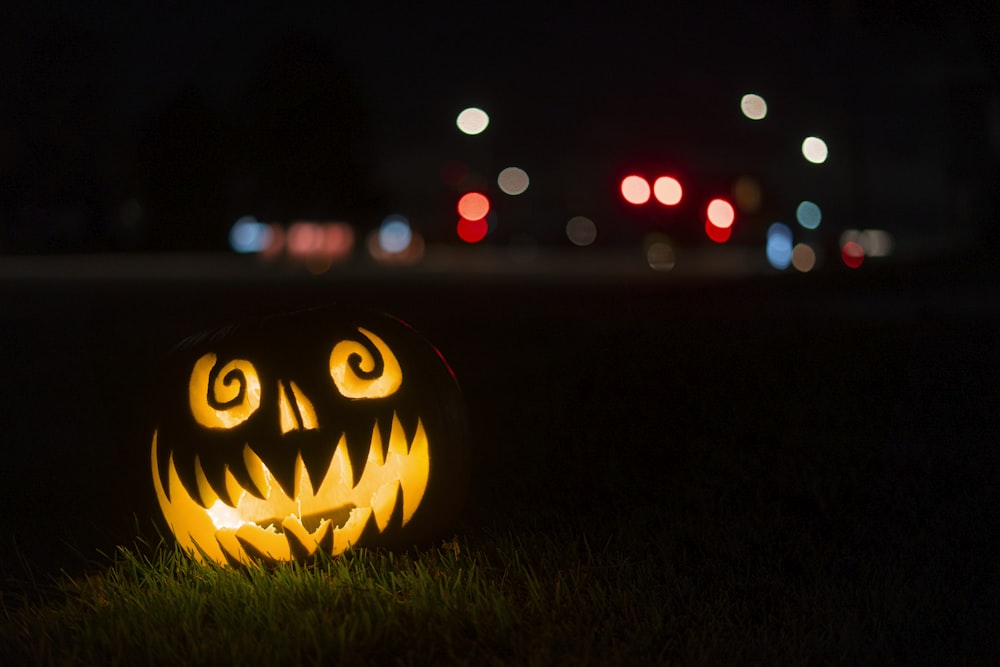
<point x="316" y="430"/>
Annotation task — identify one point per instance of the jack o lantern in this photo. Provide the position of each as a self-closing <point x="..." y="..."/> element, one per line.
<point x="320" y="429"/>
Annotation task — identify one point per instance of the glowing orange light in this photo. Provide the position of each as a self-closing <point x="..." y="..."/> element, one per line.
<point x="721" y="213"/>
<point x="668" y="190"/>
<point x="472" y="231"/>
<point x="473" y="206"/>
<point x="718" y="234"/>
<point x="852" y="254"/>
<point x="803" y="257"/>
<point x="635" y="189"/>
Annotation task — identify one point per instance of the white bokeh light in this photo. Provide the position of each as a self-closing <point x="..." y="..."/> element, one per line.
<point x="753" y="106"/>
<point x="513" y="180"/>
<point x="814" y="149"/>
<point x="472" y="120"/>
<point x="581" y="231"/>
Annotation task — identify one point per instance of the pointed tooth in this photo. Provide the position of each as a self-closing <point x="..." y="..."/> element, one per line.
<point x="301" y="543"/>
<point x="325" y="542"/>
<point x="206" y="493"/>
<point x="340" y="474"/>
<point x="258" y="473"/>
<point x="286" y="474"/>
<point x="383" y="503"/>
<point x="397" y="438"/>
<point x="375" y="450"/>
<point x="230" y="547"/>
<point x="263" y="544"/>
<point x="349" y="534"/>
<point x="233" y="490"/>
<point x="415" y="472"/>
<point x="302" y="482"/>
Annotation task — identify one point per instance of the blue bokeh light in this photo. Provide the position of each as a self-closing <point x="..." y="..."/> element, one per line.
<point x="249" y="235"/>
<point x="808" y="215"/>
<point x="779" y="246"/>
<point x="395" y="235"/>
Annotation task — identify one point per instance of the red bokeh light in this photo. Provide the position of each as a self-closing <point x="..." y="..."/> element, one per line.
<point x="472" y="231"/>
<point x="635" y="189"/>
<point x="721" y="213"/>
<point x="473" y="206"/>
<point x="718" y="234"/>
<point x="668" y="190"/>
<point x="852" y="254"/>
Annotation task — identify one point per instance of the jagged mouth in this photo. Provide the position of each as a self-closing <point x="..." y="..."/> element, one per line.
<point x="238" y="525"/>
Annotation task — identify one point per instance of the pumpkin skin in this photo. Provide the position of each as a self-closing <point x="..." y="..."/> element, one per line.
<point x="316" y="430"/>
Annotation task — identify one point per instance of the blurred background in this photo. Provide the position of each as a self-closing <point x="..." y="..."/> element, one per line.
<point x="585" y="140"/>
<point x="733" y="228"/>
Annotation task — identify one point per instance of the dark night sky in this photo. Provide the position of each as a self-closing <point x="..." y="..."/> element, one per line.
<point x="105" y="104"/>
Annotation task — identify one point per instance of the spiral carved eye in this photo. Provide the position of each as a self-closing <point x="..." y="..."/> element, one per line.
<point x="225" y="396"/>
<point x="365" y="368"/>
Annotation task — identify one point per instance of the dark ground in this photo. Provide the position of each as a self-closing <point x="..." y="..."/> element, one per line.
<point x="581" y="395"/>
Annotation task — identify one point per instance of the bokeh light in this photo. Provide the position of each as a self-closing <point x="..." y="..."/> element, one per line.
<point x="808" y="214"/>
<point x="394" y="234"/>
<point x="747" y="194"/>
<point x="581" y="231"/>
<point x="876" y="242"/>
<point x="473" y="206"/>
<point x="779" y="246"/>
<point x="276" y="246"/>
<point x="635" y="189"/>
<point x="668" y="190"/>
<point x="873" y="242"/>
<point x="338" y="240"/>
<point x="721" y="213"/>
<point x="803" y="257"/>
<point x="753" y="106"/>
<point x="472" y="121"/>
<point x="660" y="253"/>
<point x="814" y="149"/>
<point x="248" y="235"/>
<point x="472" y="231"/>
<point x="412" y="253"/>
<point x="304" y="239"/>
<point x="513" y="180"/>
<point x="718" y="234"/>
<point x="852" y="254"/>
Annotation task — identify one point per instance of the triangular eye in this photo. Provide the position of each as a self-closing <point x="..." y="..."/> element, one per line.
<point x="223" y="396"/>
<point x="365" y="368"/>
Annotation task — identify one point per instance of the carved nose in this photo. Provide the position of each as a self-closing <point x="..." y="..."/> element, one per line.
<point x="296" y="410"/>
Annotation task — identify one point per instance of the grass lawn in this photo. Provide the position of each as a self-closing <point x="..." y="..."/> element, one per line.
<point x="767" y="494"/>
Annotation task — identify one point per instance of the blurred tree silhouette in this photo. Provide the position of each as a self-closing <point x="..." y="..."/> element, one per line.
<point x="291" y="143"/>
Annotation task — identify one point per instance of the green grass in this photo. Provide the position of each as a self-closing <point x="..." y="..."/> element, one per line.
<point x="782" y="554"/>
<point x="708" y="511"/>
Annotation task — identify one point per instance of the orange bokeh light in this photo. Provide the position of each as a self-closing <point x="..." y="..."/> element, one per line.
<point x="473" y="206"/>
<point x="721" y="213"/>
<point x="635" y="189"/>
<point x="472" y="231"/>
<point x="667" y="190"/>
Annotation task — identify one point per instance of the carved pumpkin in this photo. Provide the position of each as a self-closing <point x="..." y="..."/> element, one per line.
<point x="320" y="429"/>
